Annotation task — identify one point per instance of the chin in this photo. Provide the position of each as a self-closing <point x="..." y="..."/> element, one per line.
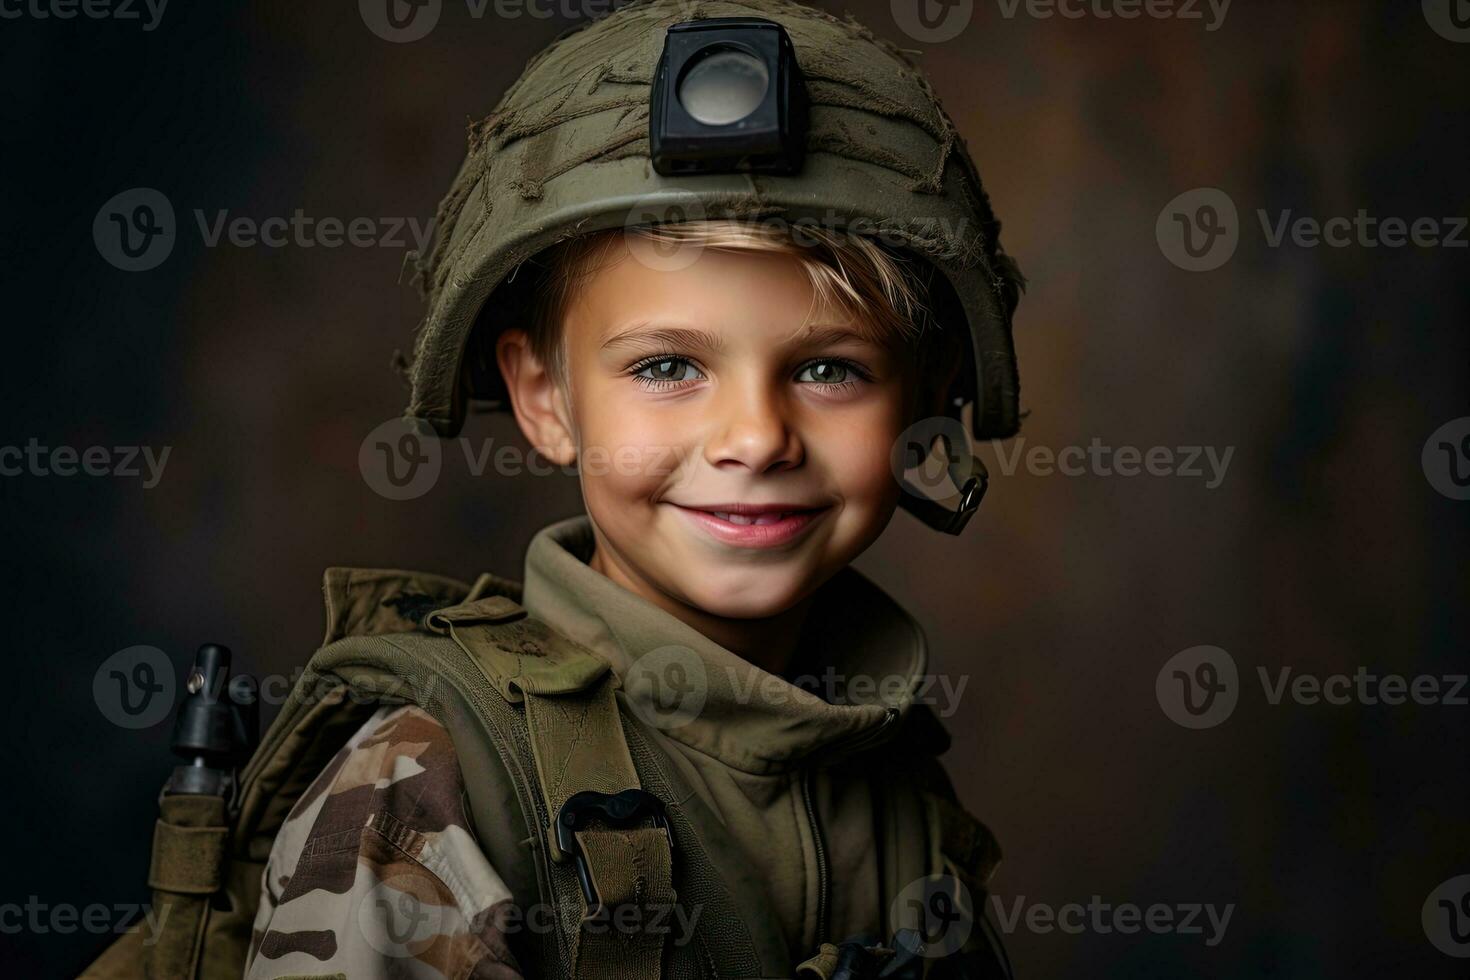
<point x="744" y="596"/>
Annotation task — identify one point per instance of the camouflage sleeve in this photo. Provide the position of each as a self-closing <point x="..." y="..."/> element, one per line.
<point x="376" y="872"/>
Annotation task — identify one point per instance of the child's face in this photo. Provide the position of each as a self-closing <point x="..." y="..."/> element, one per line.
<point x="703" y="390"/>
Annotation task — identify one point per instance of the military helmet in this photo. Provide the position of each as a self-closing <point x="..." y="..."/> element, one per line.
<point x="612" y="126"/>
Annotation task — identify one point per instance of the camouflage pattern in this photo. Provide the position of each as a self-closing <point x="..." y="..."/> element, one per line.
<point x="377" y="873"/>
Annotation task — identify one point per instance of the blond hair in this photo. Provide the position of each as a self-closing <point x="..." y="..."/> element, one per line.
<point x="885" y="293"/>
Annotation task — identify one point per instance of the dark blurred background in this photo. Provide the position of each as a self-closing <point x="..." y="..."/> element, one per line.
<point x="1326" y="548"/>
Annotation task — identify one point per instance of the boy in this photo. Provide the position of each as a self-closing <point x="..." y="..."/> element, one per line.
<point x="618" y="768"/>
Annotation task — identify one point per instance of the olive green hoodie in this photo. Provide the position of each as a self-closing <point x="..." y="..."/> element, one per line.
<point x="778" y="768"/>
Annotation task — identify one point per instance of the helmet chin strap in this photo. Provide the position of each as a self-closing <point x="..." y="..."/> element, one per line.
<point x="968" y="473"/>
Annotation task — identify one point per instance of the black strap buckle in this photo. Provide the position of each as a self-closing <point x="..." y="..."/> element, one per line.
<point x="970" y="496"/>
<point x="615" y="810"/>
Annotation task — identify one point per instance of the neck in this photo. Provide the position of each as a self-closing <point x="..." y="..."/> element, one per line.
<point x="769" y="642"/>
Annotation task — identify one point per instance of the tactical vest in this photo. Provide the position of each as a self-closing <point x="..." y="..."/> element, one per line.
<point x="556" y="767"/>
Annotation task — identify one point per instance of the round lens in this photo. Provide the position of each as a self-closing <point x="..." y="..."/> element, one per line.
<point x="724" y="87"/>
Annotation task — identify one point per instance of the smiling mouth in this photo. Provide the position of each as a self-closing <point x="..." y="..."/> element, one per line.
<point x="753" y="525"/>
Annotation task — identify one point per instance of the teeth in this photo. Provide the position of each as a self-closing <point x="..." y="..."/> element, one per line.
<point x="770" y="518"/>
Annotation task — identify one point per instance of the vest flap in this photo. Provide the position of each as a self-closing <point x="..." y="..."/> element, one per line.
<point x="490" y="609"/>
<point x="369" y="601"/>
<point x="518" y="654"/>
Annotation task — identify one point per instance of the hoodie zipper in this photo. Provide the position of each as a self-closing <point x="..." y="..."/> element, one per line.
<point x="820" y="845"/>
<point x="821" y="849"/>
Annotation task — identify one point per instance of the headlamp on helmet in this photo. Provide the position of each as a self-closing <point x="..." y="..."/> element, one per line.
<point x="728" y="96"/>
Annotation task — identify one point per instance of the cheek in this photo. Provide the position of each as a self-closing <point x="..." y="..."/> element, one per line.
<point x="625" y="450"/>
<point x="857" y="450"/>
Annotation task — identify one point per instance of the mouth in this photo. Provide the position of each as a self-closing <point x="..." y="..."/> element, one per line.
<point x="753" y="525"/>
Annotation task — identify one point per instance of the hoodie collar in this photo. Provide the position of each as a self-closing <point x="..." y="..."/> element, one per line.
<point x="858" y="648"/>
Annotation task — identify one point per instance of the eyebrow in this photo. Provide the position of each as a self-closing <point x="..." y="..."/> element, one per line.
<point x="685" y="338"/>
<point x="821" y="334"/>
<point x="680" y="338"/>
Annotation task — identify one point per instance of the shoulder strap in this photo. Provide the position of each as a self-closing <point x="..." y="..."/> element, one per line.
<point x="585" y="774"/>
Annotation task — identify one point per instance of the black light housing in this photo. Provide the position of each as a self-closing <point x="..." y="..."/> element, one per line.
<point x="711" y="72"/>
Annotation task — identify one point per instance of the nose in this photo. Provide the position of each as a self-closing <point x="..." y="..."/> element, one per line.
<point x="752" y="431"/>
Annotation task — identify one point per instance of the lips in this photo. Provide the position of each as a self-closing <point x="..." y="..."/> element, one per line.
<point x="753" y="525"/>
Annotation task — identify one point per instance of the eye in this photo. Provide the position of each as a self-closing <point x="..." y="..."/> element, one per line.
<point x="828" y="372"/>
<point x="665" y="370"/>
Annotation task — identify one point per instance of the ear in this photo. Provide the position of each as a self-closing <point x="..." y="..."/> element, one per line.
<point x="536" y="399"/>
